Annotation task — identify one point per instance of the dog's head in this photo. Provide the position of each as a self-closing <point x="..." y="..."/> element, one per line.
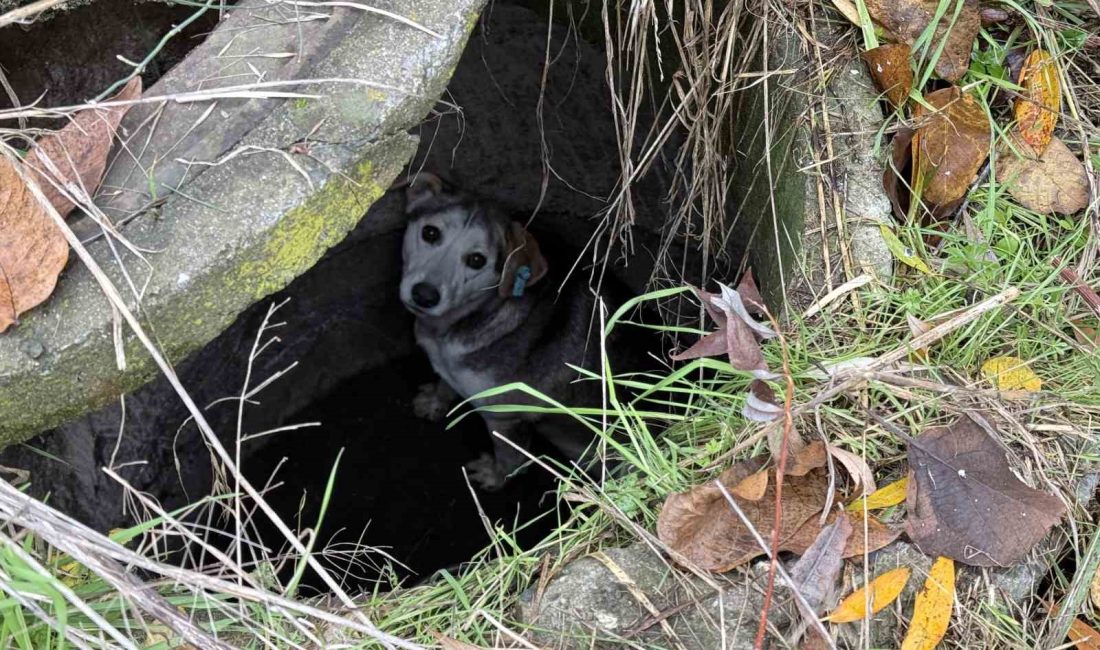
<point x="460" y="252"/>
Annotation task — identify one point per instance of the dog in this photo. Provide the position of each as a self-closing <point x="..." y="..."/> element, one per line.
<point x="487" y="313"/>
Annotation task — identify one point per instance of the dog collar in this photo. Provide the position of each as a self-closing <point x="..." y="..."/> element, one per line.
<point x="523" y="274"/>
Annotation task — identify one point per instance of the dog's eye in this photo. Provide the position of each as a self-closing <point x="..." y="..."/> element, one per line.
<point x="430" y="234"/>
<point x="475" y="260"/>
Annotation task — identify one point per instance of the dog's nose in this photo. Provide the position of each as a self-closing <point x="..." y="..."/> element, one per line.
<point x="425" y="295"/>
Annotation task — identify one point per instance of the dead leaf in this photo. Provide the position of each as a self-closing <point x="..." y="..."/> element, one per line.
<point x="863" y="479"/>
<point x="907" y="19"/>
<point x="884" y="497"/>
<point x="1056" y="182"/>
<point x="889" y="67"/>
<point x="761" y="405"/>
<point x="753" y="486"/>
<point x="808" y="458"/>
<point x="884" y="590"/>
<point x="932" y="611"/>
<point x="33" y="251"/>
<point x="701" y="525"/>
<point x="878" y="535"/>
<point x="895" y="180"/>
<point x="965" y="503"/>
<point x="738" y="335"/>
<point x="1083" y="635"/>
<point x="950" y="145"/>
<point x="848" y="9"/>
<point x="1040" y="103"/>
<point x="815" y="573"/>
<point x="79" y="151"/>
<point x="448" y="643"/>
<point x="994" y="16"/>
<point x="1011" y="374"/>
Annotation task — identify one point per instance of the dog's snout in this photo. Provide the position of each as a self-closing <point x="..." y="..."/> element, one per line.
<point x="425" y="295"/>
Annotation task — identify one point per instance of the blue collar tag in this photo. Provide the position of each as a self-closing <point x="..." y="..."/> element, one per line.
<point x="523" y="274"/>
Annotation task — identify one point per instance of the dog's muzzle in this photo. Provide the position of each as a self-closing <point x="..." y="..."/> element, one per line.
<point x="425" y="295"/>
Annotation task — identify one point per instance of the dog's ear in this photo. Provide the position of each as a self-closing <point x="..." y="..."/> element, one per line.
<point x="524" y="264"/>
<point x="424" y="187"/>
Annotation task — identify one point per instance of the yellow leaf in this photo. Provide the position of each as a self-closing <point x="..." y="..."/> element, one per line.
<point x="1011" y="373"/>
<point x="884" y="497"/>
<point x="932" y="612"/>
<point x="903" y="252"/>
<point x="884" y="590"/>
<point x="1039" y="104"/>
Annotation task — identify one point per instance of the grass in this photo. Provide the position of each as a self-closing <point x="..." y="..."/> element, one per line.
<point x="64" y="586"/>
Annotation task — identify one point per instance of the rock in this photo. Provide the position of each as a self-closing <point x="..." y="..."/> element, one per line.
<point x="588" y="604"/>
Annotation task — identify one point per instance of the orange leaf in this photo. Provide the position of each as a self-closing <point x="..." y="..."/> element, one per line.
<point x="79" y="151"/>
<point x="884" y="590"/>
<point x="1083" y="635"/>
<point x="950" y="145"/>
<point x="32" y="249"/>
<point x="1041" y="101"/>
<point x="932" y="611"/>
<point x="890" y="495"/>
<point x="889" y="67"/>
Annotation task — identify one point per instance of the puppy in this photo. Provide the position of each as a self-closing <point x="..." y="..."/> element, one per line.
<point x="488" y="313"/>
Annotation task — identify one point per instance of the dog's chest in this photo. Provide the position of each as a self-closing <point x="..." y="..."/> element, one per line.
<point x="449" y="362"/>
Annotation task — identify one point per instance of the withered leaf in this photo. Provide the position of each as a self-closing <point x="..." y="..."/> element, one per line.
<point x="907" y="19"/>
<point x="1040" y="103"/>
<point x="752" y="487"/>
<point x="815" y="573"/>
<point x="1056" y="182"/>
<point x="761" y="404"/>
<point x="32" y="249"/>
<point x="809" y="457"/>
<point x="889" y="67"/>
<point x="965" y="503"/>
<point x="738" y="335"/>
<point x="950" y="145"/>
<point x="79" y="150"/>
<point x="878" y="535"/>
<point x="895" y="180"/>
<point x="862" y="476"/>
<point x="701" y="525"/>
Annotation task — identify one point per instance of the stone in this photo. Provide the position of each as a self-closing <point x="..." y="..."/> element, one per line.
<point x="587" y="604"/>
<point x="245" y="221"/>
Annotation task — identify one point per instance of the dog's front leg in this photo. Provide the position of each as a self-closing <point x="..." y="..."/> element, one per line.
<point x="433" y="401"/>
<point x="490" y="472"/>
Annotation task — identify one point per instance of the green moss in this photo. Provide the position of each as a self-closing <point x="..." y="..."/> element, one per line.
<point x="307" y="231"/>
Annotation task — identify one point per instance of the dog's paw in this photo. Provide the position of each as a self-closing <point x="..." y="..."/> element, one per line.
<point x="432" y="402"/>
<point x="485" y="473"/>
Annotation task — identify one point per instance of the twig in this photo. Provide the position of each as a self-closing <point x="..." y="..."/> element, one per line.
<point x="850" y="285"/>
<point x="805" y="606"/>
<point x="1070" y="275"/>
<point x="26" y="12"/>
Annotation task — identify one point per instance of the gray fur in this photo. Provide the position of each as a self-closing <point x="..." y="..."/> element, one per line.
<point x="478" y="339"/>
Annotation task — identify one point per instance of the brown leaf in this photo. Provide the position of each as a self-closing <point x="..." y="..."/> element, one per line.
<point x="889" y="67"/>
<point x="862" y="476"/>
<point x="808" y="458"/>
<point x="701" y="525"/>
<point x="907" y="19"/>
<point x="965" y="503"/>
<point x="1083" y="635"/>
<point x="761" y="405"/>
<point x="1040" y="103"/>
<point x="895" y="180"/>
<point x="994" y="16"/>
<point x="878" y="535"/>
<point x="950" y="145"/>
<point x="816" y="572"/>
<point x="751" y="294"/>
<point x="32" y="249"/>
<point x="1055" y="182"/>
<point x="752" y="487"/>
<point x="738" y="334"/>
<point x="79" y="151"/>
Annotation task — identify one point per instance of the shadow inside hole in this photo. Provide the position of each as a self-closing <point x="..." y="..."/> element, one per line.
<point x="399" y="486"/>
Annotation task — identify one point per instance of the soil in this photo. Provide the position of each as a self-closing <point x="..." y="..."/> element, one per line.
<point x="399" y="486"/>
